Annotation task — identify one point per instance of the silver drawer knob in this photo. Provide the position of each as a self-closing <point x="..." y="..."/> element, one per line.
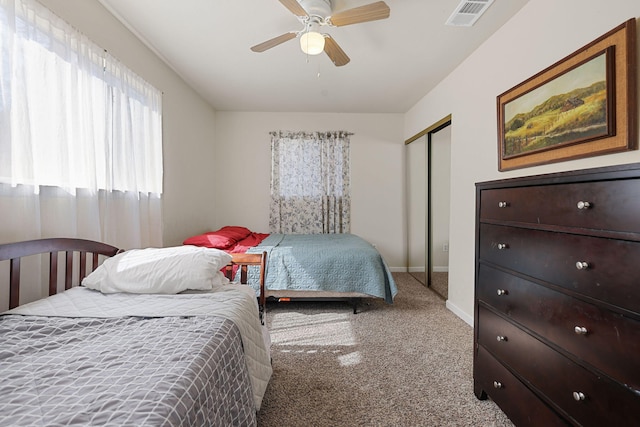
<point x="503" y="204"/>
<point x="578" y="396"/>
<point x="497" y="384"/>
<point x="582" y="265"/>
<point x="501" y="292"/>
<point x="501" y="338"/>
<point x="502" y="246"/>
<point x="583" y="205"/>
<point x="580" y="330"/>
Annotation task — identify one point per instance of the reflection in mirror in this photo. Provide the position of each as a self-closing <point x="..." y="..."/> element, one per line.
<point x="439" y="178"/>
<point x="416" y="208"/>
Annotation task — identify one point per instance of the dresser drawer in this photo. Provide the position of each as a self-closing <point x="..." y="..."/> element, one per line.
<point x="613" y="205"/>
<point x="611" y="342"/>
<point x="611" y="273"/>
<point x="522" y="406"/>
<point x="589" y="399"/>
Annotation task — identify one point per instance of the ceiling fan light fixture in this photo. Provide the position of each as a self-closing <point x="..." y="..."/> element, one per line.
<point x="314" y="14"/>
<point x="312" y="43"/>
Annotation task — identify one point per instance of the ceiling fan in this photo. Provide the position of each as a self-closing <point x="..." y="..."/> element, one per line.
<point x="314" y="14"/>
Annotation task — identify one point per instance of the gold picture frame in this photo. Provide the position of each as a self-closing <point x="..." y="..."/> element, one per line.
<point x="583" y="105"/>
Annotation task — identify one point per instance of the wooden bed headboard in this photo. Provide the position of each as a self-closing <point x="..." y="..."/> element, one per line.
<point x="14" y="252"/>
<point x="78" y="251"/>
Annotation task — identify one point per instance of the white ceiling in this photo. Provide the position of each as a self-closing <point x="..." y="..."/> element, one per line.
<point x="394" y="62"/>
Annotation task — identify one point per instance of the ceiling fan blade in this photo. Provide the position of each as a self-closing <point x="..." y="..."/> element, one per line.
<point x="366" y="13"/>
<point x="294" y="7"/>
<point x="334" y="52"/>
<point x="273" y="42"/>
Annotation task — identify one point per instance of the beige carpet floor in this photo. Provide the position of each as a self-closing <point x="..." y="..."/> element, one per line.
<point x="405" y="364"/>
<point x="439" y="282"/>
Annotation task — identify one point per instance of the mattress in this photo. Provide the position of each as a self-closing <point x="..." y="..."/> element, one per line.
<point x="337" y="263"/>
<point x="82" y="357"/>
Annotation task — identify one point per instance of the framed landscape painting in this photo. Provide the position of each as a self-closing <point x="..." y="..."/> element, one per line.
<point x="584" y="105"/>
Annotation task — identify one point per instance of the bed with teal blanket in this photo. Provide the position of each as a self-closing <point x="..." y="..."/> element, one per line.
<point x="323" y="266"/>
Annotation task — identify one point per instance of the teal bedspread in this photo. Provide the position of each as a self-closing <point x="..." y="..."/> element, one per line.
<point x="326" y="262"/>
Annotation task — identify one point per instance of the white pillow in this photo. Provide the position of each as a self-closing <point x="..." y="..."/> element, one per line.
<point x="160" y="270"/>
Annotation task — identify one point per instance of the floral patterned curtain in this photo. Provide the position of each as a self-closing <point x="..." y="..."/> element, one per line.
<point x="310" y="182"/>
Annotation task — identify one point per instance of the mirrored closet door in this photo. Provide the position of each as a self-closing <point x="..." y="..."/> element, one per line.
<point x="416" y="156"/>
<point x="439" y="184"/>
<point x="428" y="160"/>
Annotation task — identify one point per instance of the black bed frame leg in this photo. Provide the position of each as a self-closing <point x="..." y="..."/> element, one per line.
<point x="354" y="303"/>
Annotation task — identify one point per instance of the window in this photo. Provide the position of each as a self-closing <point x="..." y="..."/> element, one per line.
<point x="71" y="115"/>
<point x="310" y="183"/>
<point x="80" y="136"/>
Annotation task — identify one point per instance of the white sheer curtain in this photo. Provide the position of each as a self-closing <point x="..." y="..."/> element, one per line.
<point x="80" y="136"/>
<point x="310" y="182"/>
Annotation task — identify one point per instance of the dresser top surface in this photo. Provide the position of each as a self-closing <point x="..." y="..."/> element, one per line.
<point x="625" y="171"/>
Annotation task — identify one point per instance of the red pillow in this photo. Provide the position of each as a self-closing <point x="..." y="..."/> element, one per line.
<point x="210" y="240"/>
<point x="250" y="241"/>
<point x="234" y="232"/>
<point x="220" y="239"/>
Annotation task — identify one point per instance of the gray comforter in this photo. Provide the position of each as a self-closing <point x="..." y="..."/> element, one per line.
<point x="86" y="358"/>
<point x="127" y="371"/>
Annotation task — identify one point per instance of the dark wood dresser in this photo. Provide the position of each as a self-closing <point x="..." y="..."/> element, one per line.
<point x="557" y="297"/>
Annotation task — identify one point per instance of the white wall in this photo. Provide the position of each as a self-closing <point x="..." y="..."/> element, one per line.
<point x="243" y="169"/>
<point x="188" y="121"/>
<point x="543" y="32"/>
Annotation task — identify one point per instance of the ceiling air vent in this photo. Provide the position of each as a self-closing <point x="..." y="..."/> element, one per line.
<point x="468" y="12"/>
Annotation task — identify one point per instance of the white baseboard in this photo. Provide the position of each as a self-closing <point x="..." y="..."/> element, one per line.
<point x="444" y="269"/>
<point x="461" y="314"/>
